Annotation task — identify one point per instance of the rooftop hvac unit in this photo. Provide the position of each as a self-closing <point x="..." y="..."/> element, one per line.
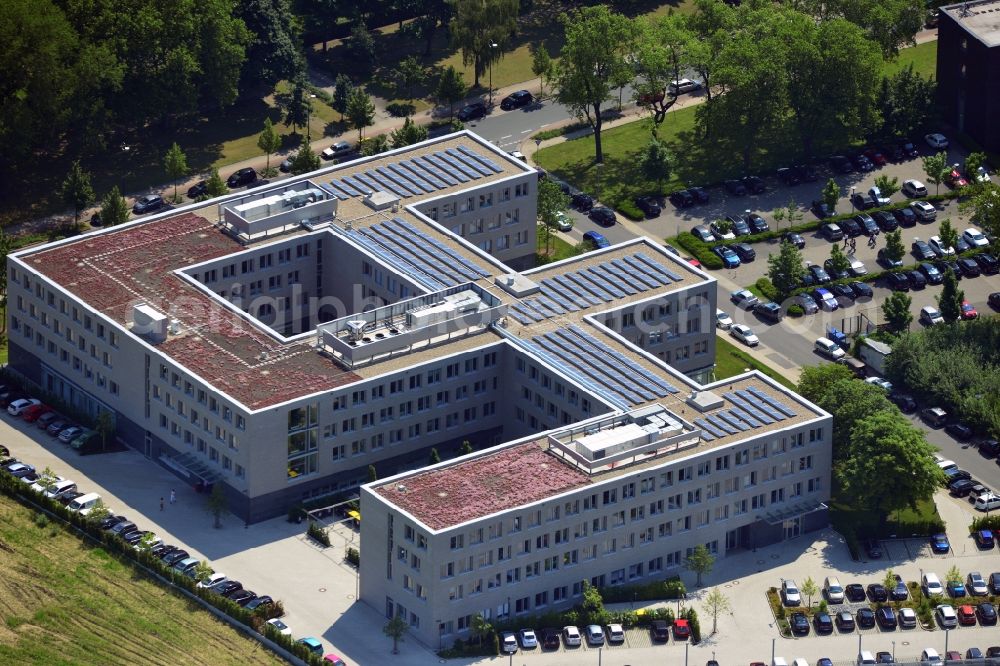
<point x="357" y="328"/>
<point x="175" y="326"/>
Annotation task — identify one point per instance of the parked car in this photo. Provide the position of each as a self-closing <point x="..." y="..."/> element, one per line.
<point x="744" y="298"/>
<point x="946" y="616"/>
<point x="282" y="628"/>
<point x="682" y="198"/>
<point x="825" y="300"/>
<point x="571" y="636"/>
<point x="338" y="149"/>
<point x="550" y="638"/>
<point x="865" y="618"/>
<point x="976" y="584"/>
<point x="885" y="220"/>
<point x="735" y="187"/>
<point x="682" y="630"/>
<point x="831" y="232"/>
<point x="822" y="623"/>
<point x="931" y="584"/>
<point x="959" y="430"/>
<point x="861" y="290"/>
<point x="242" y="177"/>
<point x="795" y="239"/>
<point x="603" y="215"/>
<point x="754" y="184"/>
<point x="596" y="239"/>
<point x="914" y="188"/>
<point x="648" y="205"/>
<point x="18" y="407"/>
<point x="806" y="302"/>
<point x="744" y="334"/>
<point x="851" y="227"/>
<point x="821" y="210"/>
<point x="595" y="634"/>
<point x="967" y="267"/>
<point x="940" y="249"/>
<point x="873" y="549"/>
<point x="528" y="639"/>
<point x="582" y="201"/>
<point x="616" y="634"/>
<point x="148" y="203"/>
<point x="845" y="621"/>
<point x="954" y="178"/>
<point x="768" y="312"/>
<point x="790" y="593"/>
<point x="660" y="630"/>
<point x="841" y="164"/>
<point x="899" y="591"/>
<point x="984" y="539"/>
<point x="987" y="263"/>
<point x="886" y="617"/>
<point x="863" y="201"/>
<point x="472" y="111"/>
<point x="969" y="311"/>
<point x="877" y="592"/>
<point x="937" y="141"/>
<point x="924" y="211"/>
<point x="516" y="100"/>
<point x="728" y="257"/>
<point x="987" y="613"/>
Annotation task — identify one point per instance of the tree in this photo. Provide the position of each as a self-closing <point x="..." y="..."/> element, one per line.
<point x="395" y="629"/>
<point x="838" y="259"/>
<point x="896" y="310"/>
<point x="716" y="603"/>
<point x="907" y="101"/>
<point x="98" y="512"/>
<point x="5" y="247"/>
<point x="480" y="628"/>
<point x="889" y="580"/>
<point x="361" y="47"/>
<point x="305" y="160"/>
<point x="894" y="248"/>
<point x="269" y="141"/>
<point x="104" y="426"/>
<point x="407" y="135"/>
<point x="947" y="233"/>
<point x="409" y="73"/>
<point x="375" y="145"/>
<point x="887" y="185"/>
<point x="972" y="163"/>
<point x="954" y="575"/>
<point x="655" y="162"/>
<point x="849" y="402"/>
<point x="77" y="191"/>
<point x="273" y="53"/>
<point x="360" y="111"/>
<point x="816" y="380"/>
<point x="592" y="609"/>
<point x="216" y="504"/>
<point x="889" y="465"/>
<point x="451" y="88"/>
<point x="551" y="201"/>
<point x="831" y="195"/>
<point x="950" y="299"/>
<point x="541" y="65"/>
<point x="342" y="88"/>
<point x="435" y="457"/>
<point x="146" y="542"/>
<point x="47" y="479"/>
<point x="372" y="474"/>
<point x="984" y="204"/>
<point x="598" y="43"/>
<point x="466" y="448"/>
<point x="296" y="105"/>
<point x="699" y="562"/>
<point x="175" y="164"/>
<point x="936" y="167"/>
<point x="482" y="30"/>
<point x="202" y="571"/>
<point x="785" y="269"/>
<point x="790" y="212"/>
<point x="114" y="208"/>
<point x="809" y="589"/>
<point x="661" y="48"/>
<point x="215" y="186"/>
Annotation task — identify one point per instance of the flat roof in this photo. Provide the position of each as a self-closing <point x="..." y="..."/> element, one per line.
<point x="981" y="19"/>
<point x="526" y="472"/>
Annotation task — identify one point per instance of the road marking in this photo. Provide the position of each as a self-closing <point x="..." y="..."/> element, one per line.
<point x="506" y="137"/>
<point x="525" y="131"/>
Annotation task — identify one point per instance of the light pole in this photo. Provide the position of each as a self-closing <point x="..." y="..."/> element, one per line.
<point x="894" y="650"/>
<point x="309" y="113"/>
<point x="600" y="654"/>
<point x="852" y="198"/>
<point x="946" y="632"/>
<point x="772" y="649"/>
<point x="686" y="645"/>
<point x="493" y="45"/>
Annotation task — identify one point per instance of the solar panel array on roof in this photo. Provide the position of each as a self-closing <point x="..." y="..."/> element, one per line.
<point x="392" y="259"/>
<point x="775" y="404"/>
<point x="732" y="420"/>
<point x="743" y="400"/>
<point x="469" y="162"/>
<point x="606" y="282"/>
<point x="656" y="266"/>
<point x="488" y="163"/>
<point x="455" y="165"/>
<point x="471" y="270"/>
<point x="333" y="191"/>
<point x="639" y="371"/>
<point x="721" y="425"/>
<point x="399" y="238"/>
<point x="709" y="431"/>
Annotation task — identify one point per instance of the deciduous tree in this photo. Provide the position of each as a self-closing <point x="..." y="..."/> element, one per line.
<point x="887" y="185"/>
<point x="541" y="65"/>
<point x="395" y="629"/>
<point x="273" y="52"/>
<point x="305" y="160"/>
<point x="816" y="380"/>
<point x="361" y="46"/>
<point x="269" y="141"/>
<point x="936" y="167"/>
<point x="850" y="402"/>
<point x="716" y="603"/>
<point x="906" y="101"/>
<point x="598" y="44"/>
<point x="809" y="588"/>
<point x="655" y="162"/>
<point x="215" y="186"/>
<point x="114" y="208"/>
<point x="76" y="191"/>
<point x="217" y="504"/>
<point x="947" y="233"/>
<point x="896" y="310"/>
<point x="342" y="88"/>
<point x="661" y="47"/>
<point x="699" y="562"/>
<point x="176" y="166"/>
<point x="551" y="201"/>
<point x="409" y="74"/>
<point x="104" y="426"/>
<point x="839" y="260"/>
<point x="894" y="248"/>
<point x="972" y="163"/>
<point x="785" y="269"/>
<point x="409" y="134"/>
<point x="435" y="457"/>
<point x="375" y="145"/>
<point x="450" y="89"/>
<point x="296" y="105"/>
<point x="831" y="194"/>
<point x="950" y="299"/>
<point x="984" y="206"/>
<point x="360" y="111"/>
<point x="482" y="30"/>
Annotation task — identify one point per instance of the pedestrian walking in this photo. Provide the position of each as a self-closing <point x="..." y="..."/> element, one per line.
<point x="173" y="496"/>
<point x="161" y="504"/>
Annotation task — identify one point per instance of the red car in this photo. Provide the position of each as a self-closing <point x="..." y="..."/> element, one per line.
<point x="32" y="413"/>
<point x="955" y="178"/>
<point x="966" y="614"/>
<point x="682" y="630"/>
<point x="969" y="312"/>
<point x="876" y="156"/>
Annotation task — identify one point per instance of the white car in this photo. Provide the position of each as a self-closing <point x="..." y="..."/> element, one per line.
<point x="937" y="141"/>
<point x="883" y="384"/>
<point x="790" y="593"/>
<point x="982" y="175"/>
<point x="946" y="616"/>
<point x="339" y="148"/>
<point x="914" y="188"/>
<point x="880" y="199"/>
<point x="829" y="348"/>
<point x="975" y="238"/>
<point x="18" y="406"/>
<point x="932" y="584"/>
<point x="280" y="626"/>
<point x="571" y="636"/>
<point x="616" y="634"/>
<point x="939" y="247"/>
<point x="931" y="656"/>
<point x="930" y="315"/>
<point x="744" y="334"/>
<point x="595" y="635"/>
<point x="508" y="642"/>
<point x="987" y="502"/>
<point x="858" y="268"/>
<point x="563" y="222"/>
<point x="528" y="639"/>
<point x="924" y="211"/>
<point x="213" y="580"/>
<point x="976" y="584"/>
<point x="744" y="298"/>
<point x="723" y="320"/>
<point x="38" y="485"/>
<point x="682" y="86"/>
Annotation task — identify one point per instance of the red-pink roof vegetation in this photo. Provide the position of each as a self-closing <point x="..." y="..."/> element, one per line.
<point x="112" y="271"/>
<point x="454" y="494"/>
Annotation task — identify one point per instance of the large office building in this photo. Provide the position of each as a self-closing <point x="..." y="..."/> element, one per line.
<point x="968" y="69"/>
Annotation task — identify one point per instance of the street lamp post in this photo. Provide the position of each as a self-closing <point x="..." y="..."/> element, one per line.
<point x="493" y="45"/>
<point x="309" y="112"/>
<point x="852" y="198"/>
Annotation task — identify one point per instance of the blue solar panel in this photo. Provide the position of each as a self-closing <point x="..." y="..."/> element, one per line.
<point x="721" y="425"/>
<point x="556" y="294"/>
<point x="579" y="295"/>
<point x="619" y="278"/>
<point x="633" y="367"/>
<point x="469" y="162"/>
<point x="488" y="163"/>
<point x="634" y="275"/>
<point x="609" y="368"/>
<point x="551" y="305"/>
<point x="422" y="173"/>
<point x="405" y="240"/>
<point x="391" y="177"/>
<point x="527" y="311"/>
<point x="746" y="417"/>
<point x="659" y="267"/>
<point x="385" y="184"/>
<point x="739" y="400"/>
<point x="410" y="177"/>
<point x="456" y="165"/>
<point x="413" y="239"/>
<point x="586" y="365"/>
<point x="518" y="316"/>
<point x="346" y="187"/>
<point x="378" y="234"/>
<point x="709" y="431"/>
<point x="732" y="420"/>
<point x="459" y="259"/>
<point x="367" y="183"/>
<point x="777" y="404"/>
<point x="586" y="286"/>
<point x="441" y="169"/>
<point x="333" y="191"/>
<point x="606" y="283"/>
<point x="392" y="260"/>
<point x="642" y="269"/>
<point x="359" y="187"/>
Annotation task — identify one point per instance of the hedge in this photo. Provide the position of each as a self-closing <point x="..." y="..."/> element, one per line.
<point x="985" y="523"/>
<point x="700" y="251"/>
<point x="671" y="588"/>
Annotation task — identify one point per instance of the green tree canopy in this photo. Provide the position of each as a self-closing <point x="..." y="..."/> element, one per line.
<point x="296" y="104"/>
<point x="816" y="380"/>
<point x="114" y="208"/>
<point x="655" y="162"/>
<point x="76" y="191"/>
<point x="661" y="52"/>
<point x="215" y="186"/>
<point x="894" y="247"/>
<point x="896" y="310"/>
<point x="451" y="88"/>
<point x="176" y="166"/>
<point x="887" y="185"/>
<point x="273" y="52"/>
<point x="541" y="65"/>
<point x="342" y="88"/>
<point x="907" y="101"/>
<point x="360" y="111"/>
<point x="409" y="134"/>
<point x="936" y="167"/>
<point x="409" y="73"/>
<point x="269" y="141"/>
<point x="838" y="259"/>
<point x="950" y="299"/>
<point x="482" y="30"/>
<point x="831" y="194"/>
<point x="785" y="269"/>
<point x="699" y="562"/>
<point x="984" y="205"/>
<point x="947" y="233"/>
<point x="305" y="160"/>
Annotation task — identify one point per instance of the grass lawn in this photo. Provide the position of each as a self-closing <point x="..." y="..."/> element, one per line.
<point x="559" y="248"/>
<point x="730" y="361"/>
<point x="923" y="57"/>
<point x="68" y="603"/>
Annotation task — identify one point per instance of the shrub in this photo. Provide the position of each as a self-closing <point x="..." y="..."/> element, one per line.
<point x="318" y="533"/>
<point x="353" y="557"/>
<point x="985" y="523"/>
<point x="631" y="211"/>
<point x="795" y="311"/>
<point x="692" y="616"/>
<point x="766" y="288"/>
<point x="699" y="250"/>
<point x="399" y="109"/>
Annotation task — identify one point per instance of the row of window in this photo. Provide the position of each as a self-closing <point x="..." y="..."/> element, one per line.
<point x="203" y="397"/>
<point x="485" y="200"/>
<point x="80" y="366"/>
<point x="262" y="262"/>
<point x="59" y="304"/>
<point x="201" y="446"/>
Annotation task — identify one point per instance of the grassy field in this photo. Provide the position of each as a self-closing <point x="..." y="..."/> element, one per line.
<point x="923" y="57"/>
<point x="730" y="361"/>
<point x="559" y="248"/>
<point x="65" y="603"/>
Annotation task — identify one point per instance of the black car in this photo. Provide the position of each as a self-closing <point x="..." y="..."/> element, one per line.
<point x="885" y="220"/>
<point x="799" y="623"/>
<point x="648" y="205"/>
<point x="885" y="261"/>
<point x="583" y="202"/>
<point x="968" y="267"/>
<point x="768" y="311"/>
<point x="603" y="215"/>
<point x="988" y="264"/>
<point x="961" y="487"/>
<point x="994" y="300"/>
<point x="699" y="193"/>
<point x="472" y="111"/>
<point x="795" y="239"/>
<point x="758" y="224"/>
<point x="807" y="173"/>
<point x="550" y="638"/>
<point x="945" y="265"/>
<point x="682" y="198"/>
<point x="851" y="227"/>
<point x="262" y="601"/>
<point x="830" y="268"/>
<point x="989" y="448"/>
<point x="886" y="617"/>
<point x="148" y="204"/>
<point x="739" y="225"/>
<point x="744" y="251"/>
<point x="916" y="279"/>
<point x="736" y="188"/>
<point x="198" y="189"/>
<point x="821" y="210"/>
<point x="227" y="587"/>
<point x="863" y="201"/>
<point x="861" y="290"/>
<point x="931" y="273"/>
<point x="854" y="592"/>
<point x="823" y="623"/>
<point x="135" y="537"/>
<point x="819" y="275"/>
<point x="72" y="495"/>
<point x="922" y="251"/>
<point x="905" y="216"/>
<point x="894" y="152"/>
<point x="866" y="618"/>
<point x="789" y="176"/>
<point x="161" y="549"/>
<point x="754" y="184"/>
<point x="841" y="164"/>
<point x="843" y="291"/>
<point x="877" y="592"/>
<point x="242" y="597"/>
<point x="959" y="430"/>
<point x="174" y="557"/>
<point x="516" y="100"/>
<point x="873" y="549"/>
<point x="862" y="163"/>
<point x="123" y="527"/>
<point x="111" y="521"/>
<point x="899" y="592"/>
<point x="660" y="630"/>
<point x="845" y="621"/>
<point x="909" y="148"/>
<point x="244" y="176"/>
<point x="987" y="613"/>
<point x="868" y="225"/>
